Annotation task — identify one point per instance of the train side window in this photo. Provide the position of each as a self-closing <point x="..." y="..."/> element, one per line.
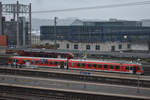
<point x="55" y="63"/>
<point x="94" y="65"/>
<point x="78" y="64"/>
<point x="105" y="66"/>
<point x="24" y="61"/>
<point x="46" y="61"/>
<point x="111" y="67"/>
<point x="117" y="67"/>
<point x="88" y="65"/>
<point x="37" y="62"/>
<point x="41" y="61"/>
<point x="51" y="63"/>
<point x="131" y="68"/>
<point x="83" y="65"/>
<point x="99" y="65"/>
<point x="32" y="61"/>
<point x="10" y="60"/>
<point x="17" y="60"/>
<point x="127" y="68"/>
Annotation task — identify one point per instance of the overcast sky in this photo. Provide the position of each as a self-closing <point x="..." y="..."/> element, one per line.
<point x="130" y="12"/>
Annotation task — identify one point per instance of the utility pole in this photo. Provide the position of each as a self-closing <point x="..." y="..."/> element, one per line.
<point x="18" y="44"/>
<point x="30" y="25"/>
<point x="0" y="18"/>
<point x="55" y="22"/>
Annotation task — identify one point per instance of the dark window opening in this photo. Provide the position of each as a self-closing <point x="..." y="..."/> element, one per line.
<point x="88" y="65"/>
<point x="67" y="46"/>
<point x="78" y="64"/>
<point x="88" y="47"/>
<point x="120" y="46"/>
<point x="50" y="62"/>
<point x="37" y="62"/>
<point x="55" y="63"/>
<point x="127" y="67"/>
<point x="83" y="65"/>
<point x="46" y="61"/>
<point x="105" y="66"/>
<point x="128" y="46"/>
<point x="97" y="47"/>
<point x="111" y="67"/>
<point x="94" y="65"/>
<point x="99" y="66"/>
<point x="117" y="67"/>
<point x="75" y="46"/>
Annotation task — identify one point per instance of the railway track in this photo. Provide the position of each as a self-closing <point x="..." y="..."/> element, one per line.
<point x="99" y="77"/>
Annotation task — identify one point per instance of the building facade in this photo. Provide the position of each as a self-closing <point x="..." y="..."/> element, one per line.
<point x="9" y="29"/>
<point x="102" y="36"/>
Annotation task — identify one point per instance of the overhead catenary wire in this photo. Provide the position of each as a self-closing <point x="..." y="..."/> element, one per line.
<point x="94" y="7"/>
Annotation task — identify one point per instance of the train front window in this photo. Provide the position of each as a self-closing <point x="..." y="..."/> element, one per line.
<point x="137" y="67"/>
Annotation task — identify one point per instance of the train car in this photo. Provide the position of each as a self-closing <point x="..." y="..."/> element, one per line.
<point x="21" y="61"/>
<point x="106" y="66"/>
<point x="67" y="55"/>
<point x="94" y="65"/>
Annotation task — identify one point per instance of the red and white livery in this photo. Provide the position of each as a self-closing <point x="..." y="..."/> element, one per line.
<point x="96" y="65"/>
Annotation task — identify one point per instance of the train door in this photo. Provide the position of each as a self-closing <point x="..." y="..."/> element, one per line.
<point x="61" y="65"/>
<point x="134" y="69"/>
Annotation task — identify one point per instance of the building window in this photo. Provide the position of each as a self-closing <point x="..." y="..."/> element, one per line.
<point x="129" y="46"/>
<point x="112" y="48"/>
<point x="67" y="46"/>
<point x="120" y="46"/>
<point x="97" y="47"/>
<point x="75" y="46"/>
<point x="87" y="47"/>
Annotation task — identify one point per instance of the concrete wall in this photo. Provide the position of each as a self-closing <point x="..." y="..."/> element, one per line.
<point x="140" y="46"/>
<point x="105" y="46"/>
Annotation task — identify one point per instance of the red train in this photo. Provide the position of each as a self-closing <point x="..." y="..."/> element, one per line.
<point x="67" y="55"/>
<point x="96" y="65"/>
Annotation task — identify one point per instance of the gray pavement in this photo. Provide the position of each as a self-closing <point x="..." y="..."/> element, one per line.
<point x="76" y="85"/>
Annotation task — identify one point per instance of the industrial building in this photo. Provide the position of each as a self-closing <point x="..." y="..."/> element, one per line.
<point x="15" y="25"/>
<point x="9" y="29"/>
<point x="112" y="35"/>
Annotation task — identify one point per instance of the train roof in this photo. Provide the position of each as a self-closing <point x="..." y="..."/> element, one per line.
<point x="106" y="61"/>
<point x="46" y="51"/>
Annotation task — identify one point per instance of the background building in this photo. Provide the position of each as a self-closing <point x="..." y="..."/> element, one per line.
<point x="10" y="30"/>
<point x="113" y="35"/>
